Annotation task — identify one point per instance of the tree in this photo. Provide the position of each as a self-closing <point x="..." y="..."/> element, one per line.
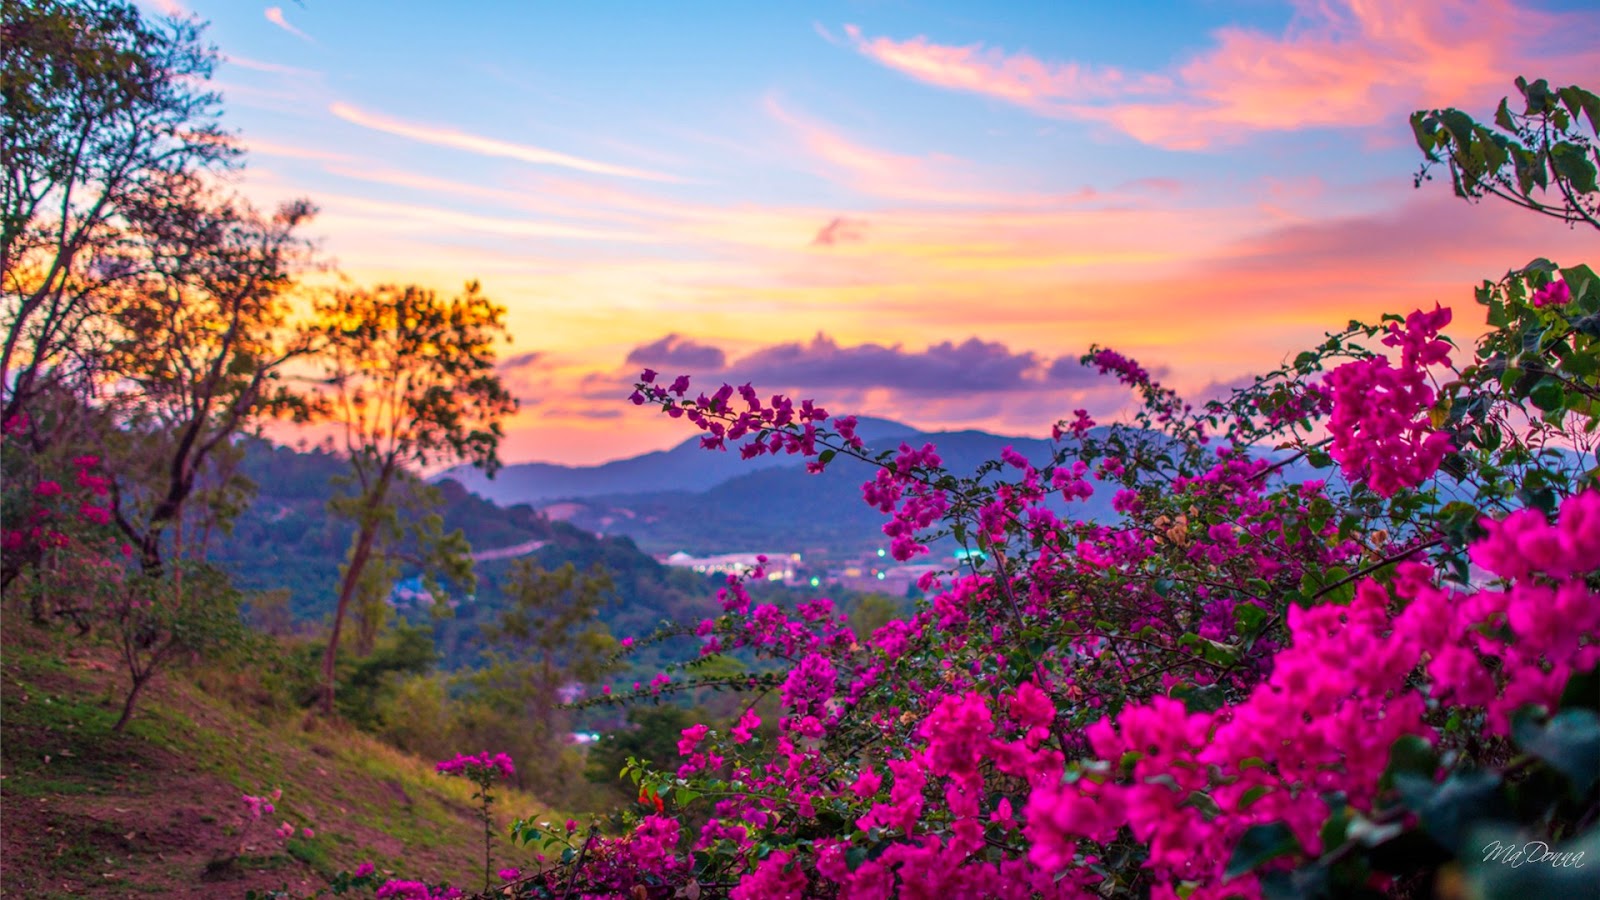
<point x="409" y="383"/>
<point x="553" y="627"/>
<point x="101" y="110"/>
<point x="202" y="340"/>
<point x="155" y="618"/>
<point x="1543" y="147"/>
<point x="549" y="637"/>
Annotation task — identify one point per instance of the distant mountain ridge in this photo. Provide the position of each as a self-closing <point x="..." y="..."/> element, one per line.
<point x="685" y="467"/>
<point x="704" y="501"/>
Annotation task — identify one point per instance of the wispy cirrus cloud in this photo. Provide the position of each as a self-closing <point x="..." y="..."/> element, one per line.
<point x="256" y="65"/>
<point x="898" y="176"/>
<point x="1341" y="63"/>
<point x="275" y="15"/>
<point x="487" y="146"/>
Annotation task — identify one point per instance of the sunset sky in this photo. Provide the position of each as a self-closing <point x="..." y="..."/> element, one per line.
<point x="922" y="210"/>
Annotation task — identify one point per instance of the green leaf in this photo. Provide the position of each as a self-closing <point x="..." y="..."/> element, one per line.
<point x="1547" y="394"/>
<point x="1569" y="742"/>
<point x="1582" y="691"/>
<point x="1571" y="163"/>
<point x="1448" y="811"/>
<point x="1200" y="698"/>
<point x="1410" y="754"/>
<point x="1262" y="843"/>
<point x="1248" y="617"/>
<point x="1502" y="117"/>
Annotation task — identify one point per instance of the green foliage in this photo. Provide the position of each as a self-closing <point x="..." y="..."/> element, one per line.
<point x="1541" y="158"/>
<point x="101" y="110"/>
<point x="651" y="736"/>
<point x="156" y="618"/>
<point x="405" y="651"/>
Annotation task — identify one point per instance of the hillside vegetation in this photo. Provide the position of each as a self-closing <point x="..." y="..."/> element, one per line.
<point x="157" y="811"/>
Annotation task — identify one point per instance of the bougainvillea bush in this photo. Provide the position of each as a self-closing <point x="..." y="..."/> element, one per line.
<point x="1340" y="641"/>
<point x="1252" y="683"/>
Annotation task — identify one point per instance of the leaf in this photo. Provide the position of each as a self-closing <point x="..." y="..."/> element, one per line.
<point x="1260" y="844"/>
<point x="1200" y="698"/>
<point x="1448" y="811"/>
<point x="1571" y="163"/>
<point x="1410" y="754"/>
<point x="1569" y="742"/>
<point x="1248" y="617"/>
<point x="1582" y="691"/>
<point x="1547" y="394"/>
<point x="1502" y="116"/>
<point x="1576" y="98"/>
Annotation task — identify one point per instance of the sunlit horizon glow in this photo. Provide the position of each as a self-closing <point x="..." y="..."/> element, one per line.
<point x="923" y="213"/>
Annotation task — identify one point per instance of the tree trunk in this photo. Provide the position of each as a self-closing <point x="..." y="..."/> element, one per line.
<point x="127" y="705"/>
<point x="347" y="589"/>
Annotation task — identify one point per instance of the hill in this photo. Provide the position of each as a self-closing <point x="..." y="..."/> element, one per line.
<point x="157" y="810"/>
<point x="286" y="540"/>
<point x="782" y="507"/>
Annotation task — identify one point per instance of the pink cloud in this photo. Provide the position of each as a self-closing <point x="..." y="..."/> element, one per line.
<point x="274" y="15"/>
<point x="1016" y="77"/>
<point x="898" y="176"/>
<point x="170" y="8"/>
<point x="1341" y="63"/>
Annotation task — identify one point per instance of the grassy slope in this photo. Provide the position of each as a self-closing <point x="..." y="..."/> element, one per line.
<point x="146" y="813"/>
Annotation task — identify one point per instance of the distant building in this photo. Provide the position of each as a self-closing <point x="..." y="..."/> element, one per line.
<point x="779" y="566"/>
<point x="411" y="592"/>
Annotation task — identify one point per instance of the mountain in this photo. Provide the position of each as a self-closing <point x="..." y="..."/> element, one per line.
<point x="773" y="503"/>
<point x="684" y="467"/>
<point x="724" y="504"/>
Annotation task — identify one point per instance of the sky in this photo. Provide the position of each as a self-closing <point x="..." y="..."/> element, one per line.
<point x="920" y="210"/>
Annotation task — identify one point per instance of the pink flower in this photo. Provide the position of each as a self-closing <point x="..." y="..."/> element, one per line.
<point x="1556" y="293"/>
<point x="364" y="870"/>
<point x="482" y="768"/>
<point x="46" y="489"/>
<point x="511" y="873"/>
<point x="99" y="515"/>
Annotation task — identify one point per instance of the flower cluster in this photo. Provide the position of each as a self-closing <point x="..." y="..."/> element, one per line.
<point x="480" y="768"/>
<point x="1381" y="431"/>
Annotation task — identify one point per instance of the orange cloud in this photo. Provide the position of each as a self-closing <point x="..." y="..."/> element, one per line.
<point x="472" y="143"/>
<point x="1339" y="63"/>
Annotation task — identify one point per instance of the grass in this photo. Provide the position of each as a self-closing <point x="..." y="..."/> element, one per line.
<point x="157" y="810"/>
